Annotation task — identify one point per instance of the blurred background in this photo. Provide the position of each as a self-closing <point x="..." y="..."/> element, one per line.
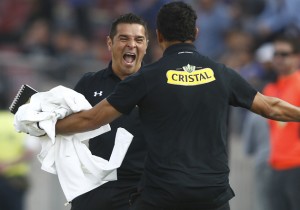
<point x="45" y="43"/>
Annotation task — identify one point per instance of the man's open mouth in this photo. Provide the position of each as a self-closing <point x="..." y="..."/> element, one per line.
<point x="129" y="57"/>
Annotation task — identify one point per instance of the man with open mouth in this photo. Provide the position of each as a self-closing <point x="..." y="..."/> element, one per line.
<point x="127" y="42"/>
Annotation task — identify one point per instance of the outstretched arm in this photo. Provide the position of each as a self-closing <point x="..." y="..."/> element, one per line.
<point x="99" y="115"/>
<point x="275" y="108"/>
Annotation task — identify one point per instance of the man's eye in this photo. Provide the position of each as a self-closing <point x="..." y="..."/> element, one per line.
<point x="139" y="40"/>
<point x="123" y="39"/>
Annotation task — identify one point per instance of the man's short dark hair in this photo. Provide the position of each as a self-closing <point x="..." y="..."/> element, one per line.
<point x="127" y="18"/>
<point x="291" y="40"/>
<point x="176" y="21"/>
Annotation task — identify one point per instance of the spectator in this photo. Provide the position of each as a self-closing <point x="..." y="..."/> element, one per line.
<point x="278" y="17"/>
<point x="12" y="23"/>
<point x="256" y="139"/>
<point x="239" y="55"/>
<point x="285" y="139"/>
<point x="15" y="152"/>
<point x="82" y="18"/>
<point x="214" y="20"/>
<point x="264" y="57"/>
<point x="37" y="39"/>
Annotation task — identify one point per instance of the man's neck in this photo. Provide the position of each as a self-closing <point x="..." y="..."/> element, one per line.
<point x="165" y="44"/>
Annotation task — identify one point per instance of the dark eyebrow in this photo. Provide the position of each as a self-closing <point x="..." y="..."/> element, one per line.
<point x="136" y="37"/>
<point x="141" y="37"/>
<point x="123" y="36"/>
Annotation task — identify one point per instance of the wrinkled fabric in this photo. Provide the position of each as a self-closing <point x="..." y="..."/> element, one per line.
<point x="77" y="169"/>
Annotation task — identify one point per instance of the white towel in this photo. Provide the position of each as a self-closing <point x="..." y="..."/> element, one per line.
<point x="77" y="169"/>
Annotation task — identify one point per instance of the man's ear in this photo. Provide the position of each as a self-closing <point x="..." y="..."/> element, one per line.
<point x="159" y="36"/>
<point x="109" y="43"/>
<point x="147" y="45"/>
<point x="296" y="58"/>
<point x="196" y="32"/>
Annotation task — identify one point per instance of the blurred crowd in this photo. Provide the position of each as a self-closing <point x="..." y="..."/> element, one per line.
<point x="50" y="42"/>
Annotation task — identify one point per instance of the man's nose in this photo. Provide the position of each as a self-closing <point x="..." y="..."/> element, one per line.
<point x="131" y="43"/>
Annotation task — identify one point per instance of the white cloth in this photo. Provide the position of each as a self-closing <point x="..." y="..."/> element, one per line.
<point x="77" y="169"/>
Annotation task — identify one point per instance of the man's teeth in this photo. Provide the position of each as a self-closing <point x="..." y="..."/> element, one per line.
<point x="129" y="57"/>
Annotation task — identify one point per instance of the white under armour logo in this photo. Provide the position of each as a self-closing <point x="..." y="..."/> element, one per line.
<point x="98" y="93"/>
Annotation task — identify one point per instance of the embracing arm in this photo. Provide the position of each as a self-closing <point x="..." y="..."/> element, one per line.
<point x="275" y="108"/>
<point x="91" y="119"/>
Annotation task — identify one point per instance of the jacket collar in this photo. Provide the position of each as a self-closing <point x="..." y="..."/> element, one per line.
<point x="180" y="47"/>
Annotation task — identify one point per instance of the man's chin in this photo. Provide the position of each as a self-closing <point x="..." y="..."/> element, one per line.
<point x="131" y="70"/>
<point x="130" y="65"/>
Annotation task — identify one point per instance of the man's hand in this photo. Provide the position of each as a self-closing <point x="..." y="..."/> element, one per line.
<point x="35" y="130"/>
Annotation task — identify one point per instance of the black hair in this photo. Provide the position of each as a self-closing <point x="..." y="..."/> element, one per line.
<point x="127" y="18"/>
<point x="292" y="41"/>
<point x="176" y="21"/>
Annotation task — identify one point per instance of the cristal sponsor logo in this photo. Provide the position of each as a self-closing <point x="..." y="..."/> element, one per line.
<point x="191" y="76"/>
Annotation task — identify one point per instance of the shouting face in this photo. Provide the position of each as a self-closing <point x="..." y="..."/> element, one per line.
<point x="127" y="48"/>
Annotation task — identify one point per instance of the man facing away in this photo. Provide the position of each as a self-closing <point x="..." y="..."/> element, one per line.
<point x="127" y="42"/>
<point x="183" y="101"/>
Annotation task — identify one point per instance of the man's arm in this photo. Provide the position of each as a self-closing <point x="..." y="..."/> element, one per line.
<point x="99" y="115"/>
<point x="275" y="108"/>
